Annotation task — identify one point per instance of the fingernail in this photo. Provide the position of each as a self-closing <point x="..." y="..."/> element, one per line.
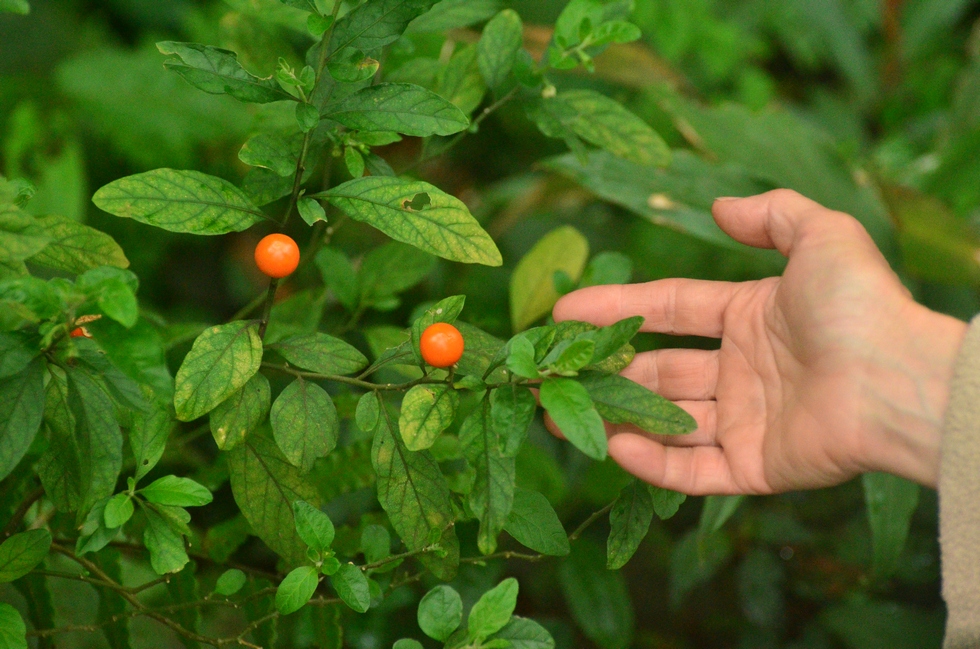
<point x="726" y="198"/>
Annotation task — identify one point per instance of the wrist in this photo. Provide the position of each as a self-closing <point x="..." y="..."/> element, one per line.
<point x="908" y="393"/>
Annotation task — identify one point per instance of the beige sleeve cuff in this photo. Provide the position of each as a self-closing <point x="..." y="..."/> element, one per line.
<point x="959" y="497"/>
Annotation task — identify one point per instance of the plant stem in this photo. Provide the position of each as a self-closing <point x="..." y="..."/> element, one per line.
<point x="270" y="296"/>
<point x="22" y="510"/>
<point x="350" y="380"/>
<point x="588" y="521"/>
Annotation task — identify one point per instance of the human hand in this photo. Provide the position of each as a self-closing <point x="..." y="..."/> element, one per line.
<point x="826" y="372"/>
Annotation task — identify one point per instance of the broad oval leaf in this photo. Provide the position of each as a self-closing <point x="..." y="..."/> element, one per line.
<point x="523" y="633"/>
<point x="179" y="492"/>
<point x="352" y="587"/>
<point x="440" y="612"/>
<point x="218" y="71"/>
<point x="502" y="39"/>
<point x="572" y="410"/>
<point x="296" y="589"/>
<point x="179" y="201"/>
<point x="313" y="526"/>
<point x="230" y="582"/>
<point x="621" y="401"/>
<point x="318" y="352"/>
<point x="399" y="107"/>
<point x="13" y="632"/>
<point x="532" y="287"/>
<point x="534" y="523"/>
<point x="492" y="495"/>
<point x="241" y="413"/>
<point x="118" y="510"/>
<point x="277" y="152"/>
<point x="164" y="542"/>
<point x="427" y="410"/>
<point x="493" y="610"/>
<point x="419" y="214"/>
<point x="304" y="423"/>
<point x="222" y="360"/>
<point x="22" y="552"/>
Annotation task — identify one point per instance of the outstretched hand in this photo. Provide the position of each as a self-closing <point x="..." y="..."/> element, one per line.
<point x="828" y="371"/>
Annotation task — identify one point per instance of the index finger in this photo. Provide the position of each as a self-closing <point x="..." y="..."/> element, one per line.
<point x="690" y="307"/>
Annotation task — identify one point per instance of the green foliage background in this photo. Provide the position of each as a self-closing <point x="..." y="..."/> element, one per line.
<point x="868" y="107"/>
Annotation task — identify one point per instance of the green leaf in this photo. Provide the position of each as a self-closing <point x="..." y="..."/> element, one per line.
<point x="621" y="401"/>
<point x="512" y="409"/>
<point x="310" y="210"/>
<point x="534" y="523"/>
<point x="492" y="495"/>
<point x="265" y="485"/>
<point x="440" y="612"/>
<point x="148" y="438"/>
<point x="493" y="610"/>
<point x="373" y="25"/>
<point x="368" y="412"/>
<point x="307" y="116"/>
<point x="94" y="533"/>
<point x="607" y="268"/>
<point x="17" y="349"/>
<point x="863" y="623"/>
<point x="376" y="543"/>
<point x="277" y="152"/>
<point x="520" y="358"/>
<point x="97" y="438"/>
<point x="263" y="186"/>
<point x="179" y="201"/>
<point x="414" y="493"/>
<point x="13" y="633"/>
<point x="354" y="162"/>
<point x="572" y="410"/>
<point x="217" y="71"/>
<point x="114" y="290"/>
<point x="230" y="582"/>
<point x="569" y="356"/>
<point x="313" y="526"/>
<point x="598" y="598"/>
<point x="75" y="248"/>
<point x="304" y="423"/>
<point x="629" y="521"/>
<point x="390" y="269"/>
<point x="891" y="501"/>
<point x="460" y="80"/>
<point x="452" y="14"/>
<point x="179" y="492"/>
<point x="666" y="502"/>
<point x="241" y="413"/>
<point x="21" y="410"/>
<point x="138" y="352"/>
<point x="164" y="542"/>
<point x="427" y="410"/>
<point x="222" y="360"/>
<point x="442" y="225"/>
<point x="716" y="512"/>
<point x="296" y="589"/>
<point x="609" y="340"/>
<point x="20" y="235"/>
<point x="523" y="633"/>
<point x="399" y="107"/>
<point x="502" y="39"/>
<point x="118" y="510"/>
<point x="351" y="65"/>
<point x="20" y="553"/>
<point x="604" y="122"/>
<point x="339" y="275"/>
<point x="321" y="353"/>
<point x="352" y="587"/>
<point x="16" y="7"/>
<point x="532" y="289"/>
<point x="407" y="643"/>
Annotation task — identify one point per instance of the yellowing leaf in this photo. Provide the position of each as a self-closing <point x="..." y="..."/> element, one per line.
<point x="532" y="288"/>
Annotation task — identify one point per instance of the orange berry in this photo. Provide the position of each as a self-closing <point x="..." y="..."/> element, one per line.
<point x="441" y="345"/>
<point x="80" y="332"/>
<point x="277" y="255"/>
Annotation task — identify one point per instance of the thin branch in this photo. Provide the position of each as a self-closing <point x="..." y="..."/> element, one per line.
<point x="270" y="297"/>
<point x="588" y="521"/>
<point x="22" y="510"/>
<point x="366" y="385"/>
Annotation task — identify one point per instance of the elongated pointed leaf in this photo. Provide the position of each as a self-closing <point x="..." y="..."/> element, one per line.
<point x="501" y="41"/>
<point x="179" y="492"/>
<point x="534" y="523"/>
<point x="572" y="410"/>
<point x="373" y="25"/>
<point x="179" y="201"/>
<point x="304" y="423"/>
<point x="21" y="409"/>
<point x="629" y="521"/>
<point x="164" y="541"/>
<point x="76" y="248"/>
<point x="313" y="526"/>
<point x="296" y="589"/>
<point x="221" y="361"/>
<point x="399" y="107"/>
<point x="493" y="610"/>
<point x="321" y="353"/>
<point x="621" y="401"/>
<point x="891" y="501"/>
<point x="218" y="71"/>
<point x="716" y="512"/>
<point x="414" y="493"/>
<point x="419" y="214"/>
<point x="265" y="486"/>
<point x="13" y="632"/>
<point x="97" y="438"/>
<point x="492" y="495"/>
